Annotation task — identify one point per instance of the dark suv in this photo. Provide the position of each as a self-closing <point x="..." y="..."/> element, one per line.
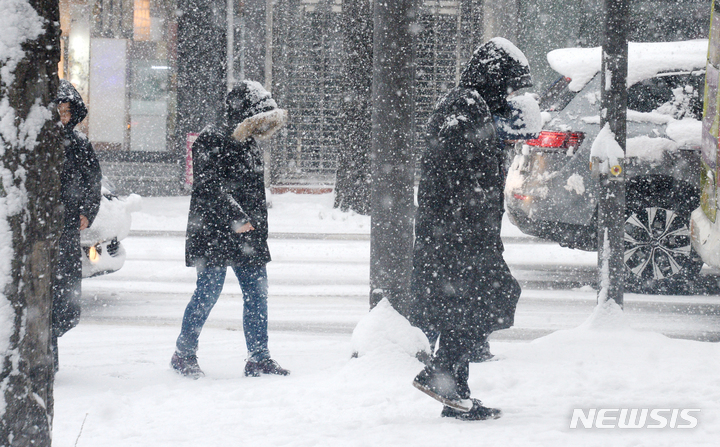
<point x="551" y="193"/>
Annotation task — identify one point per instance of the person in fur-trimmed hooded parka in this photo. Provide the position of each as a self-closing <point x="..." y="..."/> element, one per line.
<point x="228" y="226"/>
<point x="80" y="195"/>
<point x="463" y="288"/>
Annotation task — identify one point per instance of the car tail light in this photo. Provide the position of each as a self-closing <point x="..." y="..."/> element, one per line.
<point x="557" y="140"/>
<point x="94" y="253"/>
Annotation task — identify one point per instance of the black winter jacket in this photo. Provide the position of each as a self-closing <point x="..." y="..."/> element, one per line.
<point x="457" y="255"/>
<point x="81" y="177"/>
<point x="229" y="189"/>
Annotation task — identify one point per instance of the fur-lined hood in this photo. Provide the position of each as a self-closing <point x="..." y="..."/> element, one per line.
<point x="261" y="126"/>
<point x="251" y="111"/>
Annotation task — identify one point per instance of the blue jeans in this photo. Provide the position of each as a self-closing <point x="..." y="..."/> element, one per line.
<point x="210" y="280"/>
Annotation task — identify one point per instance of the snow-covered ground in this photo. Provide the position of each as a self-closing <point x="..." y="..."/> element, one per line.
<point x="288" y="213"/>
<point x="115" y="387"/>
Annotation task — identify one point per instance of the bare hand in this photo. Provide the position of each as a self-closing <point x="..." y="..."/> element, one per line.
<point x="245" y="228"/>
<point x="84" y="223"/>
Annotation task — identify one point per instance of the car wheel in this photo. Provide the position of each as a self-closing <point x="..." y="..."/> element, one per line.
<point x="659" y="257"/>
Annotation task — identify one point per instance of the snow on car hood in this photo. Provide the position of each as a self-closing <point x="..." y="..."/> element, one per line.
<point x="645" y="60"/>
<point x="113" y="219"/>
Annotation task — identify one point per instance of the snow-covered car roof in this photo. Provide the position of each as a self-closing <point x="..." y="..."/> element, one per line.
<point x="645" y="60"/>
<point x="113" y="219"/>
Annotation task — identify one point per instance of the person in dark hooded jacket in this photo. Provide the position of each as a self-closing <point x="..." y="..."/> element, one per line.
<point x="462" y="286"/>
<point x="228" y="226"/>
<point x="80" y="194"/>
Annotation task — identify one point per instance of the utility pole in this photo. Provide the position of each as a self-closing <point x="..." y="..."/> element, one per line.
<point x="611" y="172"/>
<point x="201" y="66"/>
<point x="352" y="177"/>
<point x="230" y="44"/>
<point x="391" y="203"/>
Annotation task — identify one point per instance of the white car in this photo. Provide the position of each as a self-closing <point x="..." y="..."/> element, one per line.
<point x="102" y="251"/>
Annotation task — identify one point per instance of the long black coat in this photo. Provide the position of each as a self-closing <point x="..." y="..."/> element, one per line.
<point x="459" y="276"/>
<point x="80" y="194"/>
<point x="228" y="191"/>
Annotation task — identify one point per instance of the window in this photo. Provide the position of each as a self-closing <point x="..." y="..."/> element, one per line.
<point x="141" y="20"/>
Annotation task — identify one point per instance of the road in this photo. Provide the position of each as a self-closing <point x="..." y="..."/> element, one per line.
<point x="319" y="283"/>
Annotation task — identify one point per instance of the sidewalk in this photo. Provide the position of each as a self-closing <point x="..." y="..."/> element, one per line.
<point x="290" y="216"/>
<point x="288" y="213"/>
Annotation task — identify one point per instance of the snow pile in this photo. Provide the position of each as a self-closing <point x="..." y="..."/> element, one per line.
<point x="645" y="60"/>
<point x="512" y="51"/>
<point x="686" y="132"/>
<point x="683" y="133"/>
<point x="578" y="64"/>
<point x="257" y="93"/>
<point x="575" y="183"/>
<point x="703" y="228"/>
<point x="525" y="121"/>
<point x="606" y="149"/>
<point x="384" y="330"/>
<point x="648" y="148"/>
<point x="607" y="316"/>
<point x="113" y="219"/>
<point x="260" y="98"/>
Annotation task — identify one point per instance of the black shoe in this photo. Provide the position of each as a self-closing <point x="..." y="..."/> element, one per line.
<point x="424" y="357"/>
<point x="481" y="353"/>
<point x="186" y="366"/>
<point x="476" y="413"/>
<point x="253" y="368"/>
<point x="441" y="386"/>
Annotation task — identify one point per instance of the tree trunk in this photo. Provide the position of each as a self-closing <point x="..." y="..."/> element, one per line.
<point x="352" y="182"/>
<point x="30" y="221"/>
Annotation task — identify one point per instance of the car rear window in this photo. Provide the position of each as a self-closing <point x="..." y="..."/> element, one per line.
<point x="557" y="96"/>
<point x="676" y="94"/>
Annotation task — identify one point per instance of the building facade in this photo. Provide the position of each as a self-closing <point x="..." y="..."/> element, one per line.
<point x="121" y="56"/>
<point x="154" y="72"/>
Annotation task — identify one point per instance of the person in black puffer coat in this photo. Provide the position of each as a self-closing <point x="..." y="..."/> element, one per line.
<point x="228" y="225"/>
<point x="462" y="286"/>
<point x="80" y="194"/>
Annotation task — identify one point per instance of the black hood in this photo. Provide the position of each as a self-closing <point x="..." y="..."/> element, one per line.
<point x="495" y="69"/>
<point x="78" y="110"/>
<point x="246" y="99"/>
